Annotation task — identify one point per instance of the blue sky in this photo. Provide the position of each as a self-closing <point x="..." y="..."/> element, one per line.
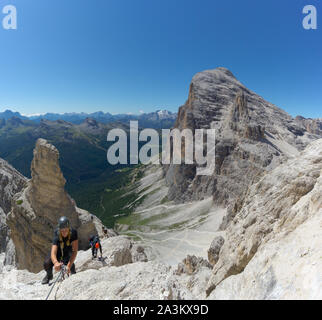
<point x="123" y="56"/>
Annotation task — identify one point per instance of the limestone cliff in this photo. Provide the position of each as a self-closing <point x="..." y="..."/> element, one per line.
<point x="311" y="125"/>
<point x="11" y="182"/>
<point x="275" y="235"/>
<point x="252" y="137"/>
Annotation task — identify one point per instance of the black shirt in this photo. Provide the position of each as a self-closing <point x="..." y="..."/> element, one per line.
<point x="67" y="249"/>
<point x="93" y="240"/>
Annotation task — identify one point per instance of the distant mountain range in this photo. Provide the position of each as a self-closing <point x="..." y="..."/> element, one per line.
<point x="7" y="114"/>
<point x="81" y="141"/>
<point x="158" y="119"/>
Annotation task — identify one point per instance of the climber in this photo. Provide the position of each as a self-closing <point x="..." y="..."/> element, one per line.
<point x="63" y="251"/>
<point x="104" y="230"/>
<point x="95" y="244"/>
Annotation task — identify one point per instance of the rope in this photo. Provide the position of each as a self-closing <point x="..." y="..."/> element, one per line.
<point x="61" y="276"/>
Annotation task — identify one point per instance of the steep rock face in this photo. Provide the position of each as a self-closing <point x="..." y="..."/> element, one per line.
<point x="11" y="182"/>
<point x="213" y="252"/>
<point x="252" y="137"/>
<point x="276" y="206"/>
<point x="46" y="193"/>
<point x="3" y="231"/>
<point x="37" y="208"/>
<point x="311" y="125"/>
<point x="288" y="267"/>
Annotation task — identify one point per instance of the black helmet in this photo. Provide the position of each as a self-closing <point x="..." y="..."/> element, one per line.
<point x="63" y="223"/>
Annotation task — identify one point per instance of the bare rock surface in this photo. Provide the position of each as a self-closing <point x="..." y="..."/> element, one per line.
<point x="117" y="251"/>
<point x="288" y="267"/>
<point x="274" y="211"/>
<point x="192" y="264"/>
<point x="114" y="278"/>
<point x="11" y="182"/>
<point x="311" y="125"/>
<point x="3" y="231"/>
<point x="213" y="251"/>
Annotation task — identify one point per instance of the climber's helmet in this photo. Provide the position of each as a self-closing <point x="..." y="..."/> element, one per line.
<point x="63" y="223"/>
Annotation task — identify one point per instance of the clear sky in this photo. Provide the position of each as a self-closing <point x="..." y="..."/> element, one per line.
<point x="124" y="56"/>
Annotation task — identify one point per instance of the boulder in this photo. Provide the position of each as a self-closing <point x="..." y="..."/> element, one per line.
<point x="192" y="264"/>
<point x="213" y="251"/>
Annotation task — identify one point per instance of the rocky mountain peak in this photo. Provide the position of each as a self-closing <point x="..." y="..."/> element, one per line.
<point x="253" y="136"/>
<point x="7" y="114"/>
<point x="225" y="71"/>
<point x="206" y="80"/>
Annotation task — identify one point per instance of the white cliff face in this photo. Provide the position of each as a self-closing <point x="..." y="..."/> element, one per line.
<point x="3" y="231"/>
<point x="273" y="245"/>
<point x="311" y="125"/>
<point x="288" y="267"/>
<point x="11" y="182"/>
